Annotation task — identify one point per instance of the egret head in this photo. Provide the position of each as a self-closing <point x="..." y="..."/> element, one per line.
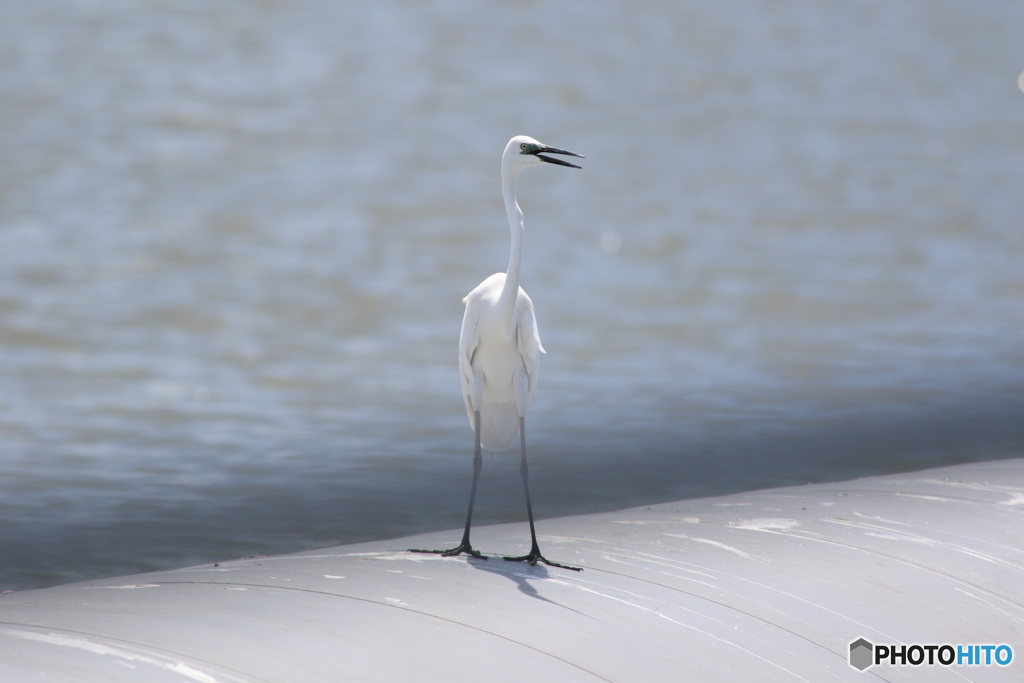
<point x="523" y="151"/>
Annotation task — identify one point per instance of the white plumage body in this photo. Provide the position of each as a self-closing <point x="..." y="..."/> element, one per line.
<point x="499" y="361"/>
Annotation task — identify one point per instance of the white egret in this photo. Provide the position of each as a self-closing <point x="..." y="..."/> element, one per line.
<point x="499" y="348"/>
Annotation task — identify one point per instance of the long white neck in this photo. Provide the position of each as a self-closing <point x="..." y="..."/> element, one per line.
<point x="510" y="292"/>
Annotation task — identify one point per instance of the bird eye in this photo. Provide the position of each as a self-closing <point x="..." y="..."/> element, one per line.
<point x="523" y="146"/>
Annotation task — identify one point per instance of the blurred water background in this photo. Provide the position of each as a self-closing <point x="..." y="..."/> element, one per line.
<point x="234" y="237"/>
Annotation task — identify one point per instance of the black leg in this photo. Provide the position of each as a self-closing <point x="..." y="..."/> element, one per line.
<point x="534" y="556"/>
<point x="465" y="546"/>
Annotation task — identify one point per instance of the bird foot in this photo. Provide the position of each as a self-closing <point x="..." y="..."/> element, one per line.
<point x="463" y="547"/>
<point x="535" y="557"/>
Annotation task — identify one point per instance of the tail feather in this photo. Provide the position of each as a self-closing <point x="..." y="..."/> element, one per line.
<point x="499" y="425"/>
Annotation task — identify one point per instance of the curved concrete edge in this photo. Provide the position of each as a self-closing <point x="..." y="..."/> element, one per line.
<point x="767" y="585"/>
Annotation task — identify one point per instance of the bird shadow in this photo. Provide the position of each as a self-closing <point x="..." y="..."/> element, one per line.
<point x="523" y="575"/>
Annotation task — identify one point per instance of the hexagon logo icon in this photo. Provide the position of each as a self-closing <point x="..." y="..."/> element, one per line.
<point x="861" y="652"/>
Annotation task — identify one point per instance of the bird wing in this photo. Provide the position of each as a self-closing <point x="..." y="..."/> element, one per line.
<point x="469" y="339"/>
<point x="528" y="341"/>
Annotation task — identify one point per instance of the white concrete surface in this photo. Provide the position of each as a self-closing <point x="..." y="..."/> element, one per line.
<point x="763" y="586"/>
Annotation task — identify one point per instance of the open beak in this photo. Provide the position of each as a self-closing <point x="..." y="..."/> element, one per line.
<point x="555" y="150"/>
